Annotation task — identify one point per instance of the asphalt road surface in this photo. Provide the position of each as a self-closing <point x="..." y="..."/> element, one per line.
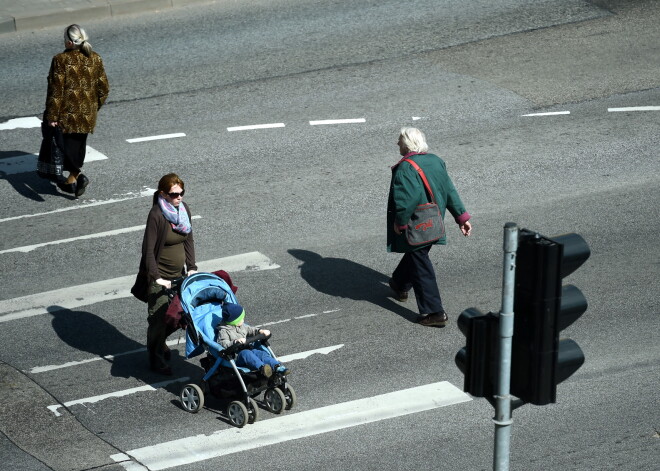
<point x="282" y="118"/>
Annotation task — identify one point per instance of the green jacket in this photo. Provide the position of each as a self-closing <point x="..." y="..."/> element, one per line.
<point x="407" y="191"/>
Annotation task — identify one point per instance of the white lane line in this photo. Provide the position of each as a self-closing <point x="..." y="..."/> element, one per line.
<point x="255" y="126"/>
<point x="125" y="230"/>
<point x="282" y="321"/>
<point x="170" y="343"/>
<point x="155" y="138"/>
<point x="152" y="387"/>
<point x="634" y="108"/>
<point x="197" y="448"/>
<point x="90" y="400"/>
<point x="337" y="121"/>
<point x="84" y="204"/>
<point x="30" y="122"/>
<point x="115" y="288"/>
<point x="549" y="113"/>
<point x="303" y="355"/>
<point x="28" y="162"/>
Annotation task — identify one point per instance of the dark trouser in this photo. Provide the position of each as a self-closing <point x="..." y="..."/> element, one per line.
<point x="157" y="331"/>
<point x="75" y="148"/>
<point x="415" y="271"/>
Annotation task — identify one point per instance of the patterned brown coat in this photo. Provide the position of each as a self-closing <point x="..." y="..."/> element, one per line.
<point x="77" y="88"/>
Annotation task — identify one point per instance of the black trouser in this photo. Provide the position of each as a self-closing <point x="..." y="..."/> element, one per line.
<point x="415" y="271"/>
<point x="75" y="147"/>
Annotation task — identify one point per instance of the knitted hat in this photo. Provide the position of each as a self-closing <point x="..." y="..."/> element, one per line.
<point x="232" y="313"/>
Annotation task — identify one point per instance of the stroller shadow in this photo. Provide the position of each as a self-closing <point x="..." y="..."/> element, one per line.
<point x="29" y="184"/>
<point x="346" y="279"/>
<point x="87" y="332"/>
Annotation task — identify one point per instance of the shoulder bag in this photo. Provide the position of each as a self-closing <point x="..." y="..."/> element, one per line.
<point x="425" y="225"/>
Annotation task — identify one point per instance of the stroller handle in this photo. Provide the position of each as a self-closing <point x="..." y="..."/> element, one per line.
<point x="176" y="285"/>
<point x="237" y="347"/>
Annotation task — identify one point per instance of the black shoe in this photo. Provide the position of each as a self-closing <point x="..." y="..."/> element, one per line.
<point x="437" y="319"/>
<point x="399" y="295"/>
<point x="266" y="370"/>
<point x="82" y="183"/>
<point x="68" y="187"/>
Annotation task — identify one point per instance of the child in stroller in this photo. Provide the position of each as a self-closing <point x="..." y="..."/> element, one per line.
<point x="234" y="330"/>
<point x="203" y="297"/>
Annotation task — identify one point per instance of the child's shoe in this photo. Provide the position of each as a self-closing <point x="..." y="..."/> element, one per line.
<point x="266" y="370"/>
<point x="283" y="370"/>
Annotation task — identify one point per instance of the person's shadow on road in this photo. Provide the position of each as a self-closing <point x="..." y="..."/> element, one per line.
<point x="88" y="332"/>
<point x="347" y="279"/>
<point x="29" y="184"/>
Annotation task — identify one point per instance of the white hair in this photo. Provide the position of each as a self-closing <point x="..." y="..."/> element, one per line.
<point x="414" y="140"/>
<point x="78" y="37"/>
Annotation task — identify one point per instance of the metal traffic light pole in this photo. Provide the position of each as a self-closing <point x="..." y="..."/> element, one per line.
<point x="502" y="417"/>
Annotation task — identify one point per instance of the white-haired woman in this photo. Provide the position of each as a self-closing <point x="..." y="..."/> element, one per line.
<point x="77" y="88"/>
<point x="415" y="270"/>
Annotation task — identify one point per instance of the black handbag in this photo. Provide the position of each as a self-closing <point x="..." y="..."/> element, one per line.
<point x="425" y="225"/>
<point x="50" y="164"/>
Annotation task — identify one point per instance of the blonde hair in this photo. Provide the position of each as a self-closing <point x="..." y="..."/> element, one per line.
<point x="414" y="140"/>
<point x="78" y="38"/>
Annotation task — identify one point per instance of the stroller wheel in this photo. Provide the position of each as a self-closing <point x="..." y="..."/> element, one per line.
<point x="275" y="400"/>
<point x="290" y="395"/>
<point x="192" y="398"/>
<point x="253" y="411"/>
<point x="237" y="413"/>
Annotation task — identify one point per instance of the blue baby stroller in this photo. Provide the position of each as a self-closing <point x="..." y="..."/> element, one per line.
<point x="202" y="296"/>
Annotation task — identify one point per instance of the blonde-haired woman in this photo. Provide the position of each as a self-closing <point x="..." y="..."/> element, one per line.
<point x="77" y="88"/>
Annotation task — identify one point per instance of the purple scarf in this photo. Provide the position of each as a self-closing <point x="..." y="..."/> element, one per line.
<point x="177" y="217"/>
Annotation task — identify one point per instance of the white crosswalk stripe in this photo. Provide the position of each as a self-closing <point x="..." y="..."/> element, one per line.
<point x="115" y="288"/>
<point x="198" y="448"/>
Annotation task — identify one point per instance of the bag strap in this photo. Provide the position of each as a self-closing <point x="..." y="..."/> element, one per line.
<point x="421" y="174"/>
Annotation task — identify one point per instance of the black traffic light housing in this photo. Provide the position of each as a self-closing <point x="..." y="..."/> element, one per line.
<point x="478" y="359"/>
<point x="542" y="309"/>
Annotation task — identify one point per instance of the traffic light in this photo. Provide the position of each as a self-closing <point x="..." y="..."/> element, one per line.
<point x="542" y="310"/>
<point x="478" y="359"/>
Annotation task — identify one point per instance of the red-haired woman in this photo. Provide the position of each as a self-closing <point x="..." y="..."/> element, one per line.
<point x="168" y="252"/>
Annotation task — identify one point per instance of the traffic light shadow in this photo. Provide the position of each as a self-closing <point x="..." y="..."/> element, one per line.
<point x="344" y="278"/>
<point x="89" y="333"/>
<point x="29" y="184"/>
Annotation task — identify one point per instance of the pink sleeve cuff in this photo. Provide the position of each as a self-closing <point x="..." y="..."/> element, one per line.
<point x="463" y="218"/>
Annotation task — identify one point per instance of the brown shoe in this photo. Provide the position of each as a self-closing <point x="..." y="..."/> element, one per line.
<point x="399" y="295"/>
<point x="266" y="371"/>
<point x="437" y="319"/>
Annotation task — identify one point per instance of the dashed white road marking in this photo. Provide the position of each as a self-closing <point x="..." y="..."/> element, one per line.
<point x="337" y="121"/>
<point x="634" y="108"/>
<point x="175" y="343"/>
<point x="549" y="113"/>
<point x="152" y="387"/>
<point x="198" y="448"/>
<point x="28" y="162"/>
<point x="90" y="400"/>
<point x="83" y="204"/>
<point x="255" y="126"/>
<point x="155" y="138"/>
<point x="115" y="288"/>
<point x="124" y="230"/>
<point x="27" y="123"/>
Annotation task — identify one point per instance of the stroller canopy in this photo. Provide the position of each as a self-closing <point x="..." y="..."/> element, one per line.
<point x="202" y="296"/>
